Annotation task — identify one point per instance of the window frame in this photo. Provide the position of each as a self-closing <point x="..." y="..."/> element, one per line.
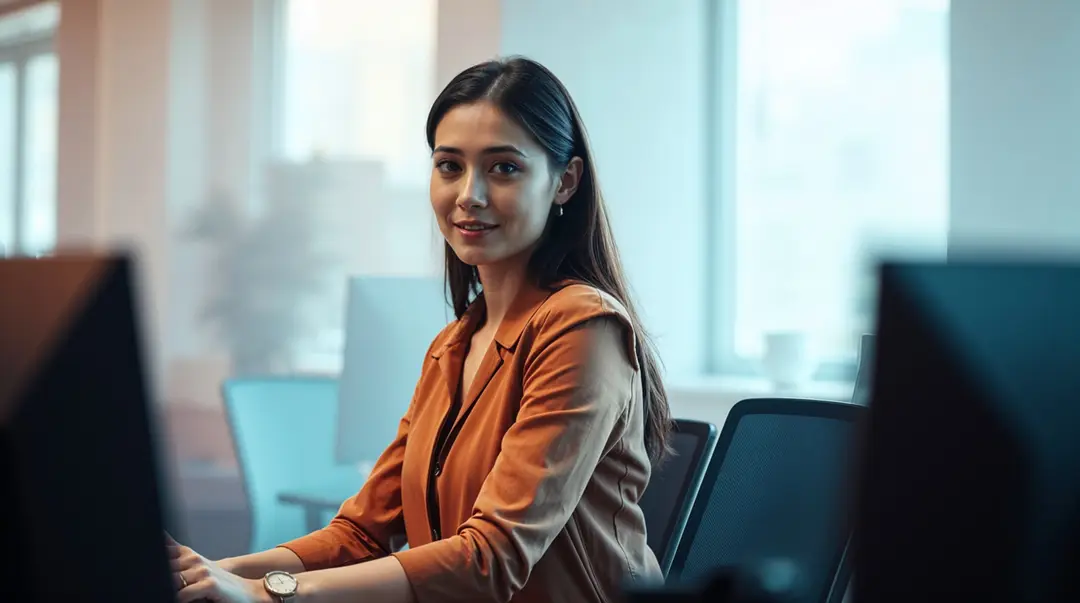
<point x="721" y="73"/>
<point x="19" y="52"/>
<point x="270" y="72"/>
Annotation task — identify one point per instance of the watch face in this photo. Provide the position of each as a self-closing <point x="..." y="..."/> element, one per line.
<point x="281" y="584"/>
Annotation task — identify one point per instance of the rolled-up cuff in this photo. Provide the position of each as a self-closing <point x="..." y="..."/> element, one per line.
<point x="324" y="549"/>
<point x="439" y="571"/>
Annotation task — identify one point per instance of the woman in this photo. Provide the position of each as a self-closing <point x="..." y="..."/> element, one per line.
<point x="517" y="470"/>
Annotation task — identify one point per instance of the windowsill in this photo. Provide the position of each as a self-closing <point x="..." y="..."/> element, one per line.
<point x="756" y="387"/>
<point x="709" y="398"/>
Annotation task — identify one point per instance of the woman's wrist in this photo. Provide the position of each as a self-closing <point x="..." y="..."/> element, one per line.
<point x="257" y="565"/>
<point x="238" y="566"/>
<point x="259" y="593"/>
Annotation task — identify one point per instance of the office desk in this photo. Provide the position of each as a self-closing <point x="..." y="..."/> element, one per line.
<point x="319" y="500"/>
<point x="316" y="503"/>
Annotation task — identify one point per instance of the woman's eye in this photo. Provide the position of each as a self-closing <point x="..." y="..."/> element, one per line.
<point x="505" y="169"/>
<point x="446" y="166"/>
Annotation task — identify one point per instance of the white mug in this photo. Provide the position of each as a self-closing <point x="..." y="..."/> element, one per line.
<point x="788" y="361"/>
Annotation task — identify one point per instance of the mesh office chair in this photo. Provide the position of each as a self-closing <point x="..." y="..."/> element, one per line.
<point x="668" y="499"/>
<point x="774" y="498"/>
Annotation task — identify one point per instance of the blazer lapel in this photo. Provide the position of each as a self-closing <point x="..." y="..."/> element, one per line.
<point x="493" y="359"/>
<point x="450" y="367"/>
<point x="451" y="355"/>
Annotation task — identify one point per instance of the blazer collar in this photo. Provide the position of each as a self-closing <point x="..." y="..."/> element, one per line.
<point x="524" y="306"/>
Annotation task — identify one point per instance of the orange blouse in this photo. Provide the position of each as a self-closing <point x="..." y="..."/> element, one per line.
<point x="534" y="494"/>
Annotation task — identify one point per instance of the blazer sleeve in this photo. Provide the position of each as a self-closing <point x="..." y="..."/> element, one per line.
<point x="576" y="393"/>
<point x="365" y="524"/>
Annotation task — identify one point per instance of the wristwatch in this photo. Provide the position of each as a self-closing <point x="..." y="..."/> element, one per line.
<point x="281" y="585"/>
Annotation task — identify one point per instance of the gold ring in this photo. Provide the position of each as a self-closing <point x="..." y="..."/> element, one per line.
<point x="183" y="580"/>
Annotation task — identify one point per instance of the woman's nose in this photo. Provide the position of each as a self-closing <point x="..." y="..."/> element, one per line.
<point x="474" y="194"/>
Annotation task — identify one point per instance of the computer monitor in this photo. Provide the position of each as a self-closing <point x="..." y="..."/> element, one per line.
<point x="81" y="511"/>
<point x="970" y="484"/>
<point x="390" y="324"/>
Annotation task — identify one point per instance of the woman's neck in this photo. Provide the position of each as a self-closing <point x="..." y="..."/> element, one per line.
<point x="501" y="285"/>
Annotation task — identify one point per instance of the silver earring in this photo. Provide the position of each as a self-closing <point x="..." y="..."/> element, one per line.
<point x="560" y="210"/>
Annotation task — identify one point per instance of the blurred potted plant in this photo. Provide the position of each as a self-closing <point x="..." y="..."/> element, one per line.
<point x="266" y="269"/>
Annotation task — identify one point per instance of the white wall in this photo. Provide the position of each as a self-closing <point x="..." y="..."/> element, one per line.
<point x="1015" y="180"/>
<point x="635" y="69"/>
<point x="467" y="32"/>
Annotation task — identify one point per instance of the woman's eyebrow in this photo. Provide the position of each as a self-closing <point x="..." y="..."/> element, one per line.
<point x="494" y="150"/>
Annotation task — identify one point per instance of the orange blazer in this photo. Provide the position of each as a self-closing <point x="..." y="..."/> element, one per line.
<point x="534" y="494"/>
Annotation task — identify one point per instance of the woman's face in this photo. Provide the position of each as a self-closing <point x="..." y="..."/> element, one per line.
<point x="492" y="188"/>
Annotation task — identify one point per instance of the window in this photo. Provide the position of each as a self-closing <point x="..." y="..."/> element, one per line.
<point x="835" y="154"/>
<point x="355" y="79"/>
<point x="357" y="82"/>
<point x="28" y="135"/>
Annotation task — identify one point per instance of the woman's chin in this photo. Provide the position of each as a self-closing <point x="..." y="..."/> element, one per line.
<point x="472" y="258"/>
<point x="476" y="255"/>
<point x="488" y="255"/>
<point x="481" y="257"/>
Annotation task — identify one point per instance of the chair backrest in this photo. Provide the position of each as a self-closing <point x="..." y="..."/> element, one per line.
<point x="283" y="432"/>
<point x="774" y="497"/>
<point x="674" y="485"/>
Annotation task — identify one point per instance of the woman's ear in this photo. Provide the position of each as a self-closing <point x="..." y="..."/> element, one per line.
<point x="568" y="182"/>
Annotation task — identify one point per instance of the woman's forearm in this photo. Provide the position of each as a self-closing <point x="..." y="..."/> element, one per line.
<point x="257" y="565"/>
<point x="379" y="580"/>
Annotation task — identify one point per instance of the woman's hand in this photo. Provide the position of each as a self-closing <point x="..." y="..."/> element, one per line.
<point x="197" y="579"/>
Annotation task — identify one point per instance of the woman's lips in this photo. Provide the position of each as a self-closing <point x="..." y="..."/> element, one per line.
<point x="474" y="230"/>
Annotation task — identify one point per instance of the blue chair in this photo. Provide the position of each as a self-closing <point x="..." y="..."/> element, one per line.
<point x="283" y="432"/>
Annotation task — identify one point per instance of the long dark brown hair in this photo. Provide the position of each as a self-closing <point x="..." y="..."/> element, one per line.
<point x="578" y="244"/>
